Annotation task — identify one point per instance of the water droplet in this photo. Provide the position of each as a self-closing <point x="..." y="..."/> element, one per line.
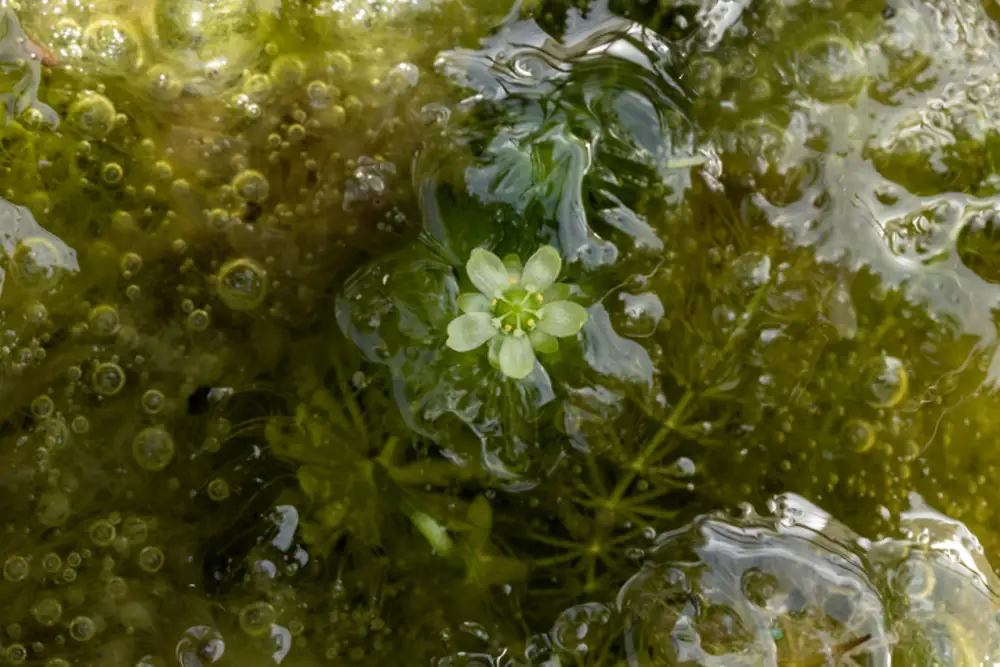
<point x="153" y="448"/>
<point x="288" y="71"/>
<point x="242" y="284"/>
<point x="578" y="624"/>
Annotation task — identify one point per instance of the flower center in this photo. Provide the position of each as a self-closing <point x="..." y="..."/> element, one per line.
<point x="516" y="311"/>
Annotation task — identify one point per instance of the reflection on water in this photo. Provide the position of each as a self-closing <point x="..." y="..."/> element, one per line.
<point x="240" y="425"/>
<point x="794" y="587"/>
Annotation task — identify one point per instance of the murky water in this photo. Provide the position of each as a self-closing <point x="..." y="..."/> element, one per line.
<point x="460" y="333"/>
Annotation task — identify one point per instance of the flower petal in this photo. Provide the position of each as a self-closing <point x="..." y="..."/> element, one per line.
<point x="514" y="268"/>
<point x="474" y="302"/>
<point x="543" y="342"/>
<point x="487" y="273"/>
<point x="517" y="358"/>
<point x="558" y="292"/>
<point x="562" y="318"/>
<point x="494" y="354"/>
<point x="469" y="331"/>
<point x="542" y="269"/>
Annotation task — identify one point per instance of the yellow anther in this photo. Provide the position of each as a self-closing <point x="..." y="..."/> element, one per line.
<point x="507" y="328"/>
<point x="494" y="302"/>
<point x="539" y="297"/>
<point x="531" y="323"/>
<point x="511" y="281"/>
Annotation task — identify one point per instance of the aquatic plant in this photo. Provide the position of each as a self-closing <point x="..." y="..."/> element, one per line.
<point x="517" y="311"/>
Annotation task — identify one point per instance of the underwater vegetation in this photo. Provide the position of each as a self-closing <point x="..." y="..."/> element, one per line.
<point x="499" y="334"/>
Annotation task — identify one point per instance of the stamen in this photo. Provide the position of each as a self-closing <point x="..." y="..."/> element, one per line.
<point x="530" y="323"/>
<point x="507" y="328"/>
<point x="538" y="297"/>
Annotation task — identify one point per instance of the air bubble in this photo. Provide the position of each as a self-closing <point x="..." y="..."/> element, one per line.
<point x="288" y="71"/>
<point x="114" y="44"/>
<point x="888" y="382"/>
<point x="257" y="618"/>
<point x="153" y="448"/>
<point x="860" y="435"/>
<point x="93" y="114"/>
<point x="218" y="489"/>
<point x="252" y="186"/>
<point x="112" y="173"/>
<point x="242" y="284"/>
<point x="51" y="562"/>
<point x="164" y="84"/>
<point x="42" y="406"/>
<point x="103" y="320"/>
<point x="151" y="559"/>
<point x="47" y="611"/>
<point x="153" y="401"/>
<point x="198" y="320"/>
<point x="82" y="628"/>
<point x="17" y="654"/>
<point x="102" y="532"/>
<point x="108" y="378"/>
<point x="15" y="569"/>
<point x="200" y="645"/>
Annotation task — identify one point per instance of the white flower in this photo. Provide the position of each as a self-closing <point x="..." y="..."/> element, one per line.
<point x="518" y="310"/>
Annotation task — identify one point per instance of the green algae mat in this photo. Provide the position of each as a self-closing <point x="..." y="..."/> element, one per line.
<point x="470" y="333"/>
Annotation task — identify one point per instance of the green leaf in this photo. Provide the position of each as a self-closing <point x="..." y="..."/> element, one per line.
<point x="469" y="331"/>
<point x="434" y="532"/>
<point x="517" y="357"/>
<point x="542" y="269"/>
<point x="487" y="272"/>
<point x="562" y="318"/>
<point x="481" y="517"/>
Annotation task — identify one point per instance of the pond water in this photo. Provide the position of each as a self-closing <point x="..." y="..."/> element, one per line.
<point x="467" y="333"/>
